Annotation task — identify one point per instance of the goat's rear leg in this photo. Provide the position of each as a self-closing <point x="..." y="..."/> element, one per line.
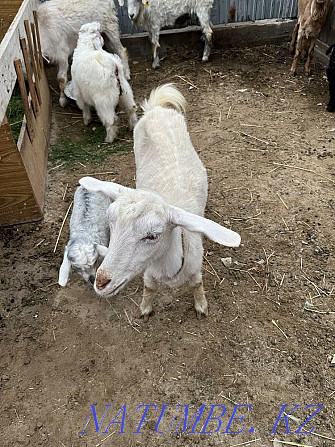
<point x="300" y="49"/>
<point x="62" y="80"/>
<point x="127" y="103"/>
<point x="108" y="117"/>
<point x="114" y="45"/>
<point x="149" y="291"/>
<point x="86" y="110"/>
<point x="200" y="302"/>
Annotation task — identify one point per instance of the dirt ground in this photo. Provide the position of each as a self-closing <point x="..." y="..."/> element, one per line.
<point x="268" y="145"/>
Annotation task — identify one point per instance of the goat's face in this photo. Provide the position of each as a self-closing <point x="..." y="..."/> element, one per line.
<point x="90" y="32"/>
<point x="134" y="7"/>
<point x="140" y="235"/>
<point x="82" y="257"/>
<point x="141" y="224"/>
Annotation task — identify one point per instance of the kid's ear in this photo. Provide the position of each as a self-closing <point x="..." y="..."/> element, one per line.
<point x="110" y="189"/>
<point x="64" y="271"/>
<point x="98" y="42"/>
<point x="102" y="250"/>
<point x="198" y="224"/>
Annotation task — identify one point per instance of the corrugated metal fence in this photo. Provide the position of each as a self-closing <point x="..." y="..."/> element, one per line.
<point x="245" y="10"/>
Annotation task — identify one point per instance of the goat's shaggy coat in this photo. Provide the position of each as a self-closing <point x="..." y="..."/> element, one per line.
<point x="59" y="24"/>
<point x="89" y="235"/>
<point x="331" y="78"/>
<point x="312" y="15"/>
<point x="98" y="81"/>
<point x="155" y="14"/>
<point x="156" y="228"/>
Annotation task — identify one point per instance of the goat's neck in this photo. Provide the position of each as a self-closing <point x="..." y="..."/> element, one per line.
<point x="317" y="9"/>
<point x="170" y="263"/>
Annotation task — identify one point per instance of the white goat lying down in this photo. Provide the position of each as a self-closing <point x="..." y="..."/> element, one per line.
<point x="59" y="24"/>
<point x="98" y="81"/>
<point x="89" y="236"/>
<point x="156" y="228"/>
<point x="155" y="14"/>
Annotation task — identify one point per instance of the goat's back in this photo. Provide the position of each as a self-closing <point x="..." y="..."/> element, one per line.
<point x="166" y="161"/>
<point x="60" y="21"/>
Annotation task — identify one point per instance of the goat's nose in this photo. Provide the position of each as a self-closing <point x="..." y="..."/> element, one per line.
<point x="101" y="280"/>
<point x="131" y="16"/>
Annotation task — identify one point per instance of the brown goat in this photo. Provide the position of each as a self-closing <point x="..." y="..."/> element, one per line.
<point x="312" y="15"/>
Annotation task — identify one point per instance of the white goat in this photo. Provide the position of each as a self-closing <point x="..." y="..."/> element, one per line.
<point x="59" y="24"/>
<point x="156" y="228"/>
<point x="89" y="236"/>
<point x="98" y="81"/>
<point x="155" y="14"/>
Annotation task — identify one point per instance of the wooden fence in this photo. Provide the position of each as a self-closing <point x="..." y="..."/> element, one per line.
<point x="23" y="164"/>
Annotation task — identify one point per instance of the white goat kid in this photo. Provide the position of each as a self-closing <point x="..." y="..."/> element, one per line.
<point x="89" y="236"/>
<point x="155" y="14"/>
<point x="98" y="81"/>
<point x="156" y="228"/>
<point x="59" y="24"/>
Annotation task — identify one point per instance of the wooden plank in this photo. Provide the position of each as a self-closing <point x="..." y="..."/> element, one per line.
<point x="34" y="63"/>
<point x="24" y="97"/>
<point x="34" y="155"/>
<point x="31" y="85"/>
<point x="40" y="56"/>
<point x="17" y="199"/>
<point x="10" y="49"/>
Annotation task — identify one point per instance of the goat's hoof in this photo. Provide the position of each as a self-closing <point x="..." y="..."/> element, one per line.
<point x="155" y="65"/>
<point x="205" y="59"/>
<point x="308" y="74"/>
<point x="293" y="73"/>
<point x="145" y="317"/>
<point x="201" y="315"/>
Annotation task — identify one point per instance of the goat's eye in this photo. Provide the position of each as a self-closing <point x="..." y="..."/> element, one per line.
<point x="150" y="237"/>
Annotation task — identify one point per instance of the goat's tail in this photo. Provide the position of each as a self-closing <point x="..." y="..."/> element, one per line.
<point x="166" y="95"/>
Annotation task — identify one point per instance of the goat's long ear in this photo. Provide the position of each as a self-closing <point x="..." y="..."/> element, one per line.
<point x="64" y="271"/>
<point x="102" y="250"/>
<point x="110" y="189"/>
<point x="212" y="230"/>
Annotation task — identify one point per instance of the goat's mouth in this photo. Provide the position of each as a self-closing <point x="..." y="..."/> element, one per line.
<point x="109" y="290"/>
<point x="118" y="288"/>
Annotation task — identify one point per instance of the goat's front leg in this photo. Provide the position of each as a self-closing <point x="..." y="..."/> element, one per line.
<point x="200" y="302"/>
<point x="154" y="39"/>
<point x="62" y="80"/>
<point x="149" y="290"/>
<point x="294" y="38"/>
<point x="208" y="36"/>
<point x="310" y="56"/>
